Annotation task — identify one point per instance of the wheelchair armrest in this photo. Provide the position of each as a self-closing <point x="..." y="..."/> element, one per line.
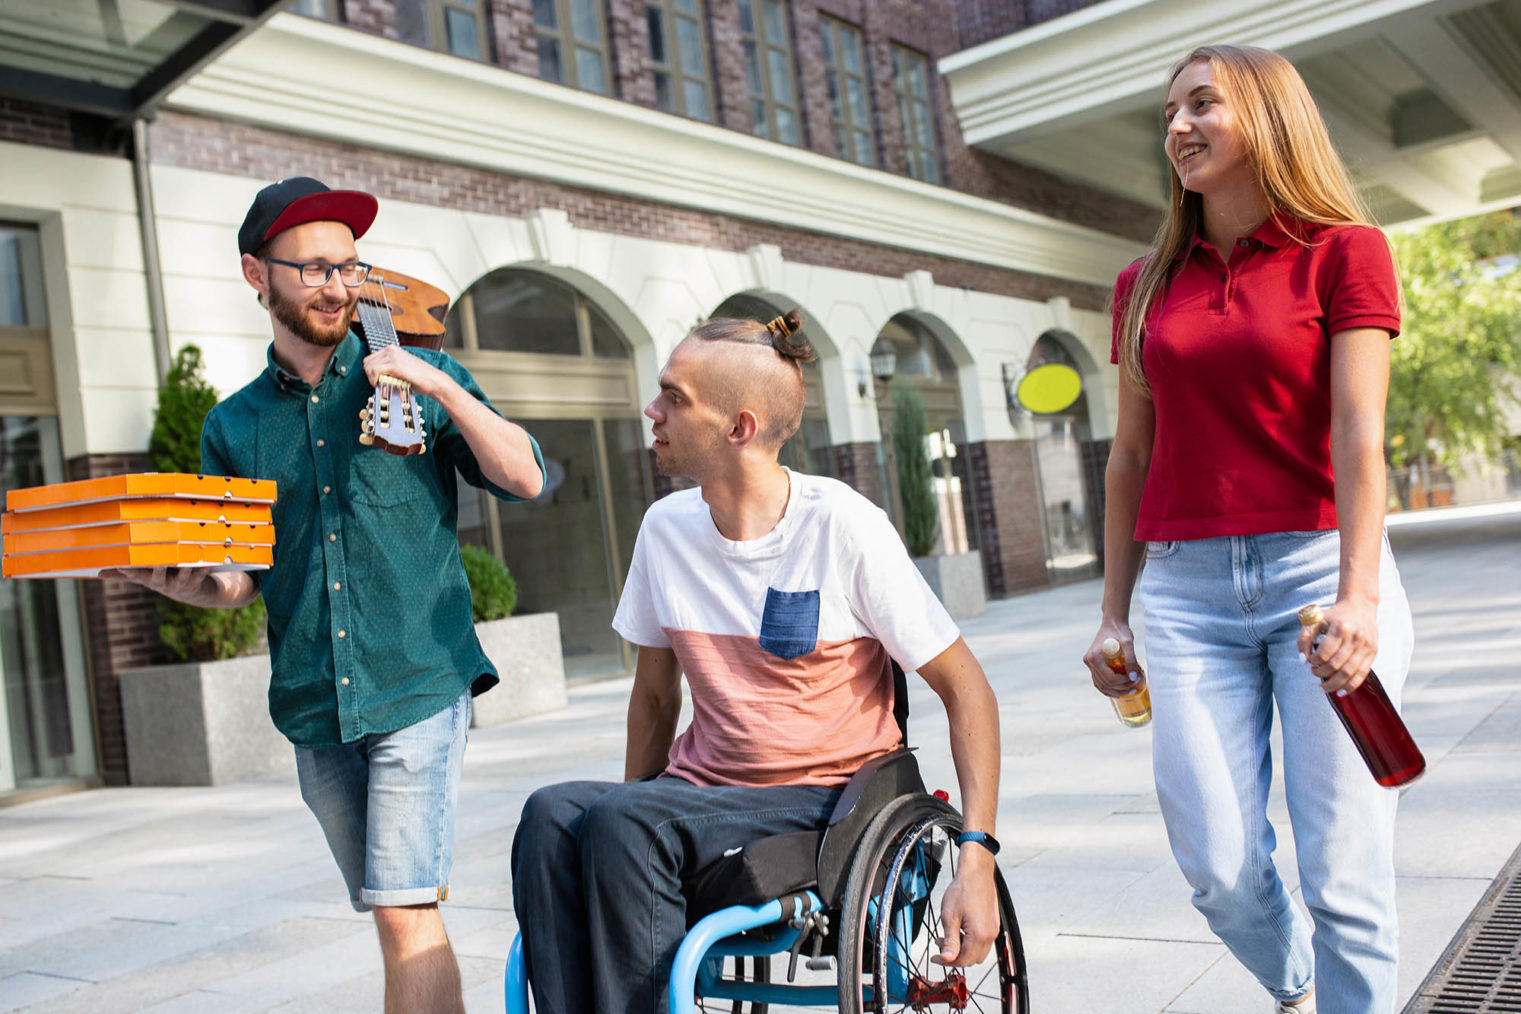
<point x="876" y="784"/>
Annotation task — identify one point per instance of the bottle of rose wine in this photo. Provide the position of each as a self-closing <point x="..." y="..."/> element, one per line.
<point x="1375" y="727"/>
<point x="1134" y="708"/>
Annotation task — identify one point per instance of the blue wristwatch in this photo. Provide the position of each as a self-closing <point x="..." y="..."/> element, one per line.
<point x="982" y="838"/>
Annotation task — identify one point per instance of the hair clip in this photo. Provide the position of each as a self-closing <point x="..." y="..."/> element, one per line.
<point x="779" y="328"/>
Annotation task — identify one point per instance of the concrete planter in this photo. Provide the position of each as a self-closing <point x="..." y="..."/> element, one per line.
<point x="526" y="651"/>
<point x="957" y="580"/>
<point x="207" y="723"/>
<point x="201" y="723"/>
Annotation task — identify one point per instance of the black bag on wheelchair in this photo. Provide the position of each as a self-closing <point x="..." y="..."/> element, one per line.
<point x="764" y="869"/>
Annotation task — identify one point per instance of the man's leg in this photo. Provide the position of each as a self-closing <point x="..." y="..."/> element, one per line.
<point x="547" y="895"/>
<point x="413" y="786"/>
<point x="421" y="973"/>
<point x="637" y="845"/>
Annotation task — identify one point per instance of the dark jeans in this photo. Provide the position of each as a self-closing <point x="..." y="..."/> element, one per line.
<point x="596" y="879"/>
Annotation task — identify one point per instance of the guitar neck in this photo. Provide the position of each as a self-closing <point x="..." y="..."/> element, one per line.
<point x="378" y="329"/>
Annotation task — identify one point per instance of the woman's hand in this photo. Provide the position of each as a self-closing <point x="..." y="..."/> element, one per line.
<point x="1348" y="644"/>
<point x="1105" y="680"/>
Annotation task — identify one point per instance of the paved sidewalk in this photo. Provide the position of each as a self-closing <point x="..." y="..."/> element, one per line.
<point x="225" y="900"/>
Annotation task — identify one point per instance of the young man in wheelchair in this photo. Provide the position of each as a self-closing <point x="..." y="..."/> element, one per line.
<point x="783" y="598"/>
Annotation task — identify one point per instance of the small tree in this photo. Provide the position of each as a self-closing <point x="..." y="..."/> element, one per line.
<point x="1452" y="379"/>
<point x="921" y="521"/>
<point x="493" y="592"/>
<point x="194" y="634"/>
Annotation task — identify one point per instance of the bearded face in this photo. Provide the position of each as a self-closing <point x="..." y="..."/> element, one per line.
<point x="313" y="315"/>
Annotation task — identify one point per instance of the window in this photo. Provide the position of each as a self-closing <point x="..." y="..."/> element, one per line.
<point x="454" y="26"/>
<point x="21" y="299"/>
<point x="573" y="43"/>
<point x="523" y="311"/>
<point x="849" y="104"/>
<point x="768" y="59"/>
<point x="315" y="9"/>
<point x="679" y="57"/>
<point x="911" y="83"/>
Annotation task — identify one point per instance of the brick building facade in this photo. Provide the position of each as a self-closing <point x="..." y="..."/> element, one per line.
<point x="218" y="139"/>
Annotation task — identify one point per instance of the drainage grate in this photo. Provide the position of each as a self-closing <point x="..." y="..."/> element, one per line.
<point x="1481" y="971"/>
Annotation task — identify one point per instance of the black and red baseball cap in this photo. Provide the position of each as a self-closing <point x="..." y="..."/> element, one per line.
<point x="299" y="200"/>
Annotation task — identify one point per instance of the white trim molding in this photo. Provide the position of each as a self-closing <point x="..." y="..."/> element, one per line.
<point x="318" y="79"/>
<point x="1113" y="57"/>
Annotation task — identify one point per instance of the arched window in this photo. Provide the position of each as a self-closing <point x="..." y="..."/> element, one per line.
<point x="513" y="310"/>
<point x="551" y="359"/>
<point x="1070" y="482"/>
<point x="906" y="351"/>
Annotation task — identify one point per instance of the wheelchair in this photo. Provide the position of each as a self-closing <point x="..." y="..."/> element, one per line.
<point x="867" y="908"/>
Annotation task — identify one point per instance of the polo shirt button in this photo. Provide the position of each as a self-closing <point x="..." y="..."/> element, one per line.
<point x="327" y="489"/>
<point x="1242" y="243"/>
<point x="337" y="585"/>
<point x="345" y="681"/>
<point x="343" y="633"/>
<point x="333" y="537"/>
<point x="343" y="369"/>
<point x="314" y="397"/>
<point x="321" y="442"/>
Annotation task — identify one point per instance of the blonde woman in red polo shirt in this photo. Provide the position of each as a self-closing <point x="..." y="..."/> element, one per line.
<point x="1247" y="467"/>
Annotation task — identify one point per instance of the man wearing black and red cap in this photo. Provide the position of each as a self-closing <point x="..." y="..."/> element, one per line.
<point x="373" y="653"/>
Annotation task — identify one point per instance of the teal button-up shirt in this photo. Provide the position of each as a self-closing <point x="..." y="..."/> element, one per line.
<point x="369" y="611"/>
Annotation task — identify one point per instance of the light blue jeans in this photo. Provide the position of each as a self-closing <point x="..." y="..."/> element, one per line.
<point x="386" y="806"/>
<point x="1221" y="628"/>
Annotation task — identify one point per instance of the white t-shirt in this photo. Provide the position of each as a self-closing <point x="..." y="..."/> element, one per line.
<point x="784" y="639"/>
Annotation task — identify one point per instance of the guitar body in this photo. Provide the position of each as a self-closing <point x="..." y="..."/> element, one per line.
<point x="397" y="310"/>
<point x="417" y="309"/>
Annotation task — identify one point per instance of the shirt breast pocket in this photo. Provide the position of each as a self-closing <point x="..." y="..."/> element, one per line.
<point x="380" y="479"/>
<point x="790" y="623"/>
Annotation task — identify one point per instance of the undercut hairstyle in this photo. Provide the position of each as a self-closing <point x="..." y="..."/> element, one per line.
<point x="775" y="393"/>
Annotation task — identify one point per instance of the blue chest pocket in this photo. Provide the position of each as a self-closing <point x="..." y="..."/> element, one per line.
<point x="790" y="623"/>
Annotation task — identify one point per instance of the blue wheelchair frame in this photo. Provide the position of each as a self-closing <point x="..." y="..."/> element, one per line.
<point x="697" y="968"/>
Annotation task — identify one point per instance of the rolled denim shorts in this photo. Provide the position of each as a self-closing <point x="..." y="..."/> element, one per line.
<point x="386" y="805"/>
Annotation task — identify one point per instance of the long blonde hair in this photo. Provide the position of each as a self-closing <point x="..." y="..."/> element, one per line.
<point x="1297" y="168"/>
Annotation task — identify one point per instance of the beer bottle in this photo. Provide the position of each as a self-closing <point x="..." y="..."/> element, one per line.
<point x="1134" y="709"/>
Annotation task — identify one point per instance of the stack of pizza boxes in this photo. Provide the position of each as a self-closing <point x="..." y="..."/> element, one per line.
<point x="149" y="519"/>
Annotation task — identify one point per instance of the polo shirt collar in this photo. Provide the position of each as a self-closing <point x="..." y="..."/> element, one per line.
<point x="1272" y="233"/>
<point x="345" y="358"/>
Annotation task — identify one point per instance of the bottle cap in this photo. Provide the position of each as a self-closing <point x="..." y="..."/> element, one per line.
<point x="1110" y="648"/>
<point x="1311" y="615"/>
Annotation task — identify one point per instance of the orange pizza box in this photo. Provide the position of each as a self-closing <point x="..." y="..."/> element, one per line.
<point x="90" y="562"/>
<point x="138" y="533"/>
<point x="142" y="484"/>
<point x="107" y="512"/>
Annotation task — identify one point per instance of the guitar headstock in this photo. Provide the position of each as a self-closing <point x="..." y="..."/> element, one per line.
<point x="392" y="419"/>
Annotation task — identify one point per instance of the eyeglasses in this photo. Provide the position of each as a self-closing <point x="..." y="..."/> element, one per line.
<point x="315" y="274"/>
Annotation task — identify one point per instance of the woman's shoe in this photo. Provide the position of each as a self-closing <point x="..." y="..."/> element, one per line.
<point x="1305" y="1006"/>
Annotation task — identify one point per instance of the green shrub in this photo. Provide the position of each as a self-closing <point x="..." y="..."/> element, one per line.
<point x="183" y="404"/>
<point x="192" y="633"/>
<point x="921" y="519"/>
<point x="203" y="635"/>
<point x="493" y="592"/>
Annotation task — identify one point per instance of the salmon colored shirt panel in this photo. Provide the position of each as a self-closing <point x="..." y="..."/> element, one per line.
<point x="1238" y="356"/>
<point x="785" y="640"/>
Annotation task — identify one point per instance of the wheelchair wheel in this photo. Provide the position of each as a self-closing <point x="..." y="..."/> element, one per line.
<point x="739" y="970"/>
<point x="891" y="926"/>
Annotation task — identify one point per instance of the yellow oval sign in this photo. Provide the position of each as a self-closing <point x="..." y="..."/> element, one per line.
<point x="1049" y="388"/>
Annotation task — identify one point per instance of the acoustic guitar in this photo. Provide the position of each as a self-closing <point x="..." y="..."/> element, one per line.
<point x="395" y="309"/>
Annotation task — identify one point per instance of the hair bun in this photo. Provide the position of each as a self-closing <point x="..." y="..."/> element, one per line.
<point x="787" y="325"/>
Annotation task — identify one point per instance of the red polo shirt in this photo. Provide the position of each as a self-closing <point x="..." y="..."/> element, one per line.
<point x="1238" y="355"/>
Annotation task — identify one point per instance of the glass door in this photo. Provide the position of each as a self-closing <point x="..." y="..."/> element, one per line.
<point x="45" y="725"/>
